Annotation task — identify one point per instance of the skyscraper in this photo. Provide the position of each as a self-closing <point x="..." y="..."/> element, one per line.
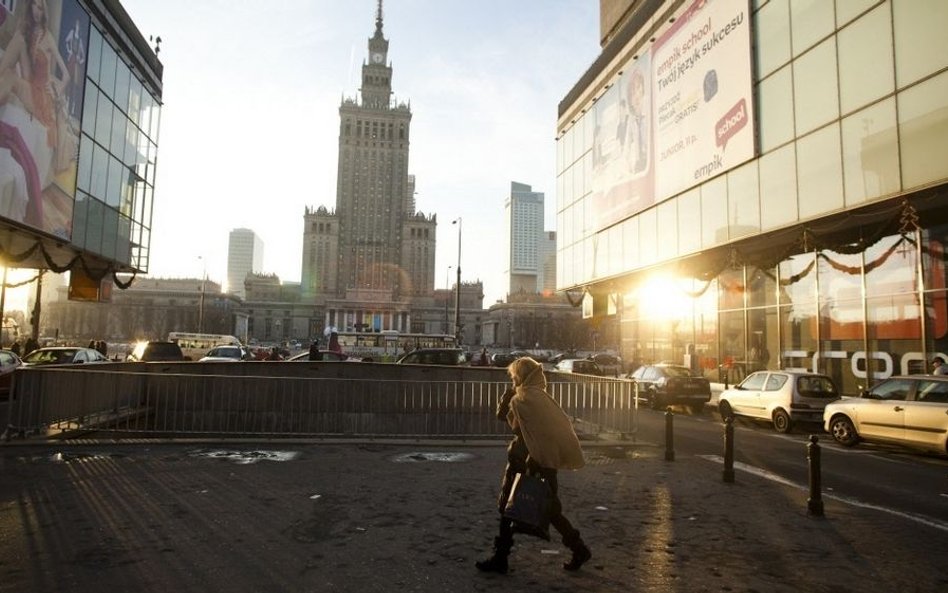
<point x="523" y="211"/>
<point x="368" y="258"/>
<point x="244" y="255"/>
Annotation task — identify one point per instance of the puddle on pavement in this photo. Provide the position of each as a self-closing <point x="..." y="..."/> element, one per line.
<point x="247" y="457"/>
<point x="443" y="457"/>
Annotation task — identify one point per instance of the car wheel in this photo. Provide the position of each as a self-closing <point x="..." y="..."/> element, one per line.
<point x="725" y="410"/>
<point x="844" y="431"/>
<point x="781" y="421"/>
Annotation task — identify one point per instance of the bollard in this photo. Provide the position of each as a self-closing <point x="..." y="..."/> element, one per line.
<point x="729" y="449"/>
<point x="669" y="434"/>
<point x="814" y="504"/>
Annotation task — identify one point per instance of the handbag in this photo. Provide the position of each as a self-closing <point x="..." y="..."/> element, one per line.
<point x="528" y="506"/>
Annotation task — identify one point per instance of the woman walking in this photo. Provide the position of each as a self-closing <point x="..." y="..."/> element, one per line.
<point x="543" y="442"/>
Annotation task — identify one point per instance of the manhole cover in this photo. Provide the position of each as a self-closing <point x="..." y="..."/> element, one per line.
<point x="439" y="456"/>
<point x="247" y="457"/>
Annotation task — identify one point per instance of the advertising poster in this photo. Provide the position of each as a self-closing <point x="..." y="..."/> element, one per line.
<point x="678" y="114"/>
<point x="42" y="76"/>
<point x="623" y="181"/>
<point x="703" y="101"/>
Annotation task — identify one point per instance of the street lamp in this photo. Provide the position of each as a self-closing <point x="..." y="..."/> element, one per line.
<point x="457" y="288"/>
<point x="203" y="290"/>
<point x="446" y="272"/>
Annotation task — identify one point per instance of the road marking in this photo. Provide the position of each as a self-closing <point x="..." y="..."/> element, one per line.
<point x="937" y="524"/>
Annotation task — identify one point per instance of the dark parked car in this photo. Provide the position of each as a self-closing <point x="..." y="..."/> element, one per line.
<point x="663" y="385"/>
<point x="610" y="364"/>
<point x="156" y="352"/>
<point x="9" y="362"/>
<point x="439" y="356"/>
<point x="63" y="355"/>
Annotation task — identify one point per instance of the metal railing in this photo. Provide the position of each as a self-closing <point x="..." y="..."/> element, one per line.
<point x="56" y="401"/>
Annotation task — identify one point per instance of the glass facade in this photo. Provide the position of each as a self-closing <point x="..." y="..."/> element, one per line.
<point x="117" y="159"/>
<point x="851" y="103"/>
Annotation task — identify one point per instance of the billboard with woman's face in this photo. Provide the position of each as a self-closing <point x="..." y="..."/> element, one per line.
<point x="42" y="80"/>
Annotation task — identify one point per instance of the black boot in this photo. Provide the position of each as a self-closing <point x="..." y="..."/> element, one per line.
<point x="580" y="555"/>
<point x="498" y="562"/>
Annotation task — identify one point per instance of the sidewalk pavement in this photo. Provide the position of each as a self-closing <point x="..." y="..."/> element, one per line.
<point x="413" y="517"/>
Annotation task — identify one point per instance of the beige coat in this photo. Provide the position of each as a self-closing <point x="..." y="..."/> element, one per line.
<point x="546" y="429"/>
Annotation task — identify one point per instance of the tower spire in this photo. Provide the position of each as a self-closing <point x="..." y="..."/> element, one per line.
<point x="378" y="18"/>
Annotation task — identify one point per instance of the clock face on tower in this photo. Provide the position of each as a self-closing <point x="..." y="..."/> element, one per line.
<point x="377" y="58"/>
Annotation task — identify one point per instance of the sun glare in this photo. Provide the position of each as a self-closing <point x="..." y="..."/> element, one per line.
<point x="660" y="298"/>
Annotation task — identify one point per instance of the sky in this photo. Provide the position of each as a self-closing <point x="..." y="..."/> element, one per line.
<point x="250" y="118"/>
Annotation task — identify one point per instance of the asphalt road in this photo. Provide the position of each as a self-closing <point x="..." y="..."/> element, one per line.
<point x="893" y="478"/>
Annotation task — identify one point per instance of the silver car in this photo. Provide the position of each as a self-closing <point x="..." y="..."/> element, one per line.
<point x="781" y="397"/>
<point x="909" y="410"/>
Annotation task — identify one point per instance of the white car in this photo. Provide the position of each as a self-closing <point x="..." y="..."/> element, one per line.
<point x="227" y="354"/>
<point x="910" y="410"/>
<point x="781" y="397"/>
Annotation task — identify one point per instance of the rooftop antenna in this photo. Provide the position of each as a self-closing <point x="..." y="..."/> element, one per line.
<point x="378" y="17"/>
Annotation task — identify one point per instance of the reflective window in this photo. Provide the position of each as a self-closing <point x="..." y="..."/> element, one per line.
<point x="689" y="221"/>
<point x="847" y="10"/>
<point x="761" y="287"/>
<point x="820" y="172"/>
<point x="107" y="72"/>
<point x="871" y="153"/>
<point x="743" y="200"/>
<point x="714" y="212"/>
<point x="920" y="47"/>
<point x="816" y="92"/>
<point x="812" y="21"/>
<point x="775" y="109"/>
<point x="798" y="336"/>
<point x="890" y="266"/>
<point x="865" y="60"/>
<point x="772" y="29"/>
<point x="923" y="119"/>
<point x="93" y="57"/>
<point x="630" y="243"/>
<point x="778" y="185"/>
<point x="667" y="226"/>
<point x="798" y="279"/>
<point x="648" y="237"/>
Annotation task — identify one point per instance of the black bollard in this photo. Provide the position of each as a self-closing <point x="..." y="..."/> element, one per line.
<point x="728" y="449"/>
<point x="814" y="504"/>
<point x="669" y="435"/>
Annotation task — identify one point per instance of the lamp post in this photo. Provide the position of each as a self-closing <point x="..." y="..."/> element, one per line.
<point x="446" y="285"/>
<point x="457" y="289"/>
<point x="203" y="290"/>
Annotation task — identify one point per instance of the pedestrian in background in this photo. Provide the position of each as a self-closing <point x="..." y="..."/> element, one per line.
<point x="314" y="353"/>
<point x="543" y="442"/>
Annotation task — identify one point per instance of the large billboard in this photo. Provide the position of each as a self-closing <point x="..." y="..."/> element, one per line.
<point x="42" y="81"/>
<point x="680" y="113"/>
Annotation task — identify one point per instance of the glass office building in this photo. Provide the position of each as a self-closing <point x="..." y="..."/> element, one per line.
<point x="762" y="184"/>
<point x="78" y="137"/>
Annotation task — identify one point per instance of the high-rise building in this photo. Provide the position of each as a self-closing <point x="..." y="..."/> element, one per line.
<point x="746" y="186"/>
<point x="368" y="258"/>
<point x="523" y="211"/>
<point x="244" y="256"/>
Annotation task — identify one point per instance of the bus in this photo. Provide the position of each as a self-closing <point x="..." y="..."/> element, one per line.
<point x="195" y="346"/>
<point x="389" y="345"/>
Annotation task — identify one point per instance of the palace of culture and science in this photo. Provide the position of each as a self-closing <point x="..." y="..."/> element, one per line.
<point x="370" y="262"/>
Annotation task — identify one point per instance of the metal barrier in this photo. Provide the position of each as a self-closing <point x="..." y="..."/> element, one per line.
<point x="52" y="401"/>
